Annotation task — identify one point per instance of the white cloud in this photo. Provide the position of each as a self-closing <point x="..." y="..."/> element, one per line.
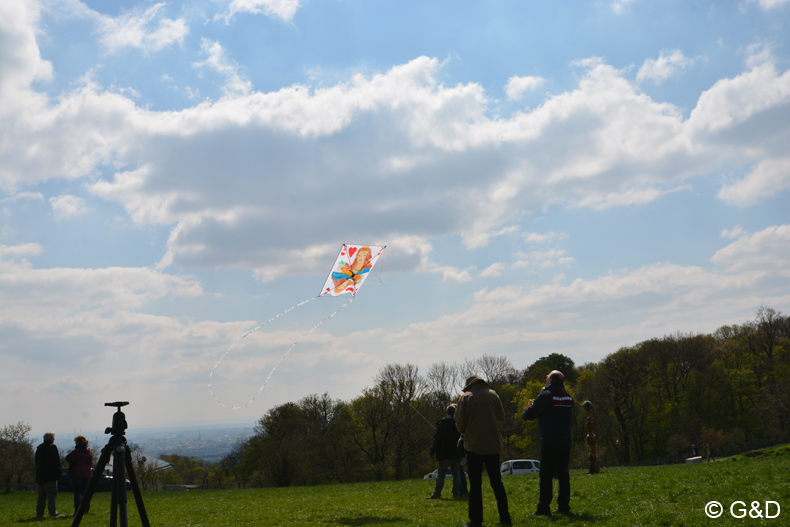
<point x="66" y="206"/>
<point x="141" y="28"/>
<point x="20" y="250"/>
<point x="453" y="274"/>
<point x="495" y="269"/>
<point x="536" y="237"/>
<point x="620" y="5"/>
<point x="38" y="196"/>
<point x="282" y="9"/>
<point x="735" y="232"/>
<point x="538" y="260"/>
<point x="218" y="62"/>
<point x="669" y="62"/>
<point x="460" y="171"/>
<point x="516" y="86"/>
<point x="766" y="249"/>
<point x="770" y="4"/>
<point x="769" y="178"/>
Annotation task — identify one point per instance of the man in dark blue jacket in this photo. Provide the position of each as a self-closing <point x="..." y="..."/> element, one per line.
<point x="445" y="448"/>
<point x="553" y="407"/>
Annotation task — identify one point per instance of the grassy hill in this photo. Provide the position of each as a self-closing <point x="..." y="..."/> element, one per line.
<point x="627" y="496"/>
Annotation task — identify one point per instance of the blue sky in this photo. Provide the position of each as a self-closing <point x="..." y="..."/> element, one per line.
<point x="567" y="177"/>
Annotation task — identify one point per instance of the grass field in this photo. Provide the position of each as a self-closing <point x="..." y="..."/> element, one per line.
<point x="618" y="497"/>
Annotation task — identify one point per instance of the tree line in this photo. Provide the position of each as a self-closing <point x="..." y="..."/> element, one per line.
<point x="651" y="401"/>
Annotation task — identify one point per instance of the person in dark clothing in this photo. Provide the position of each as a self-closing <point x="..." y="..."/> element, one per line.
<point x="480" y="418"/>
<point x="48" y="472"/>
<point x="553" y="407"/>
<point x="448" y="454"/>
<point x="80" y="460"/>
<point x="694" y="452"/>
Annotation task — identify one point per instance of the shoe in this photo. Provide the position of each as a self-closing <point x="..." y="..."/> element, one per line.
<point x="432" y="497"/>
<point x="565" y="512"/>
<point x="539" y="513"/>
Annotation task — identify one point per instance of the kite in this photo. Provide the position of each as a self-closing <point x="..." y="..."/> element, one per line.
<point x="352" y="266"/>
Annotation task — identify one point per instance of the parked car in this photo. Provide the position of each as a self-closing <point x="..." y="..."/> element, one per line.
<point x="448" y="474"/>
<point x="105" y="482"/>
<point x="519" y="466"/>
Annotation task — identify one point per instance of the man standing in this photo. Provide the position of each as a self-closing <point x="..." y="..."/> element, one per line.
<point x="48" y="473"/>
<point x="445" y="448"/>
<point x="554" y="408"/>
<point x="479" y="419"/>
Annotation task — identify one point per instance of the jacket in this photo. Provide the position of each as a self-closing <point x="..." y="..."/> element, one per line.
<point x="554" y="409"/>
<point x="80" y="460"/>
<point x="47" y="463"/>
<point x="480" y="418"/>
<point x="445" y="440"/>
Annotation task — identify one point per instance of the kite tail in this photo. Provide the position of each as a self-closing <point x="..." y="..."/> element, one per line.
<point x="283" y="357"/>
<point x="256" y="328"/>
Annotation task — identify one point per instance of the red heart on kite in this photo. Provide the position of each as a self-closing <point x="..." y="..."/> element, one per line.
<point x="351" y="251"/>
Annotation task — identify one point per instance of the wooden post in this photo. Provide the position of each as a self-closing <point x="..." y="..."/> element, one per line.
<point x="591" y="438"/>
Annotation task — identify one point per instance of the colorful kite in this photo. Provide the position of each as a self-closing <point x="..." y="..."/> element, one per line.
<point x="352" y="266"/>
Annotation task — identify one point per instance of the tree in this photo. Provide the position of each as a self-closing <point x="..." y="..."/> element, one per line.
<point x="16" y="455"/>
<point x="276" y="448"/>
<point x="538" y="370"/>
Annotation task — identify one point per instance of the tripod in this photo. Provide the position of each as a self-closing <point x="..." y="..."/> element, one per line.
<point x="122" y="464"/>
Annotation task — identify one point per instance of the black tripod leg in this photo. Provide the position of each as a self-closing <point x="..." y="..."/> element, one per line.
<point x="138" y="497"/>
<point x="97" y="472"/>
<point x="114" y="498"/>
<point x="119" y="477"/>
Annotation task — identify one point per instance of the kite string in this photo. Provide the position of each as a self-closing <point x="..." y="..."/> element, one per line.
<point x="283" y="357"/>
<point x="214" y="369"/>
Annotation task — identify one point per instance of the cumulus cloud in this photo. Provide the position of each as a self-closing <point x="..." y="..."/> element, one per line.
<point x="67" y="291"/>
<point x="769" y="178"/>
<point x="285" y="10"/>
<point x="218" y="62"/>
<point x="257" y="176"/>
<point x="66" y="206"/>
<point x="495" y="269"/>
<point x="766" y="249"/>
<point x="20" y="250"/>
<point x="735" y="232"/>
<point x="516" y="86"/>
<point x="141" y="28"/>
<point x="669" y="62"/>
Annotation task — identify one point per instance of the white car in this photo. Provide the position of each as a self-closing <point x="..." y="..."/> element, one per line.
<point x="519" y="466"/>
<point x="435" y="474"/>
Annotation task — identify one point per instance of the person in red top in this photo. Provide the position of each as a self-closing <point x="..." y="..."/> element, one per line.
<point x="80" y="460"/>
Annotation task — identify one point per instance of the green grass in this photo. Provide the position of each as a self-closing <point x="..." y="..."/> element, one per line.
<point x="618" y="497"/>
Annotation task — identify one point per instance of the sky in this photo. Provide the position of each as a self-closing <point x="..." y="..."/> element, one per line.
<point x="547" y="177"/>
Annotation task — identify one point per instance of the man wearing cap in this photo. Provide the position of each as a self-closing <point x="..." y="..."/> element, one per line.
<point x="480" y="418"/>
<point x="553" y="407"/>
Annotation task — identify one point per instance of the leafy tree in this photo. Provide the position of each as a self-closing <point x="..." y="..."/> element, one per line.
<point x="538" y="370"/>
<point x="16" y="455"/>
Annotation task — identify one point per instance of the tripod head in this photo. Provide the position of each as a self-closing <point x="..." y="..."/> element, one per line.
<point x="118" y="420"/>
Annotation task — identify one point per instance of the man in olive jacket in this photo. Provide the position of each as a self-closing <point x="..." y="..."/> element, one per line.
<point x="48" y="472"/>
<point x="480" y="418"/>
<point x="553" y="407"/>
